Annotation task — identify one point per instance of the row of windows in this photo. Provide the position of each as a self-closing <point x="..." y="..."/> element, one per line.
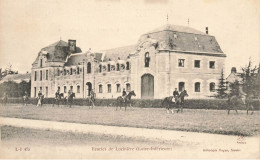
<point x="46" y="75"/>
<point x="109" y="88"/>
<point x="46" y="91"/>
<point x="181" y="63"/>
<point x="118" y="67"/>
<point x="69" y="72"/>
<point x="71" y="89"/>
<point x="197" y="86"/>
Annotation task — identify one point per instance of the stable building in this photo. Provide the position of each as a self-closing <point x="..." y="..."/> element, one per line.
<point x="163" y="59"/>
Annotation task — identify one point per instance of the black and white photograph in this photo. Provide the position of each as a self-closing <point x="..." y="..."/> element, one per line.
<point x="129" y="79"/>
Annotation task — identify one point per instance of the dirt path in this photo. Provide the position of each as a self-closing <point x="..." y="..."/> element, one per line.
<point x="227" y="146"/>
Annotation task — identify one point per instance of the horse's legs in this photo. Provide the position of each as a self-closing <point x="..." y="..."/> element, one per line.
<point x="236" y="111"/>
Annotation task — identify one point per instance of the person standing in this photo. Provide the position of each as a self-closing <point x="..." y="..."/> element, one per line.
<point x="39" y="99"/>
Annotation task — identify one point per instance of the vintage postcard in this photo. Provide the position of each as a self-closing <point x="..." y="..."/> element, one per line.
<point x="129" y="79"/>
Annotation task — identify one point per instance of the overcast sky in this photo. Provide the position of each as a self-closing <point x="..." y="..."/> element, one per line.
<point x="26" y="26"/>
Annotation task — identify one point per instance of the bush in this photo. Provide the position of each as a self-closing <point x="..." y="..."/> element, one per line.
<point x="218" y="104"/>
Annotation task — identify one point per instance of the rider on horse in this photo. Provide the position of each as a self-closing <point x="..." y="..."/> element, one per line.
<point x="175" y="95"/>
<point x="57" y="94"/>
<point x="92" y="94"/>
<point x="124" y="94"/>
<point x="242" y="94"/>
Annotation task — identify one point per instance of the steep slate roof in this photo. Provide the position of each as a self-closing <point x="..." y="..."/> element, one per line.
<point x="181" y="38"/>
<point x="122" y="52"/>
<point x="16" y="77"/>
<point x="75" y="59"/>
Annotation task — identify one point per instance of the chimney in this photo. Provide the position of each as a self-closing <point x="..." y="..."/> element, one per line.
<point x="207" y="30"/>
<point x="233" y="70"/>
<point x="72" y="46"/>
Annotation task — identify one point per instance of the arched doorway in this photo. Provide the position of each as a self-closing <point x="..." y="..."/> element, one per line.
<point x="147" y="86"/>
<point x="89" y="88"/>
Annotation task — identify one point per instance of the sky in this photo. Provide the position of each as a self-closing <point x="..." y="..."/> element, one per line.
<point x="26" y="26"/>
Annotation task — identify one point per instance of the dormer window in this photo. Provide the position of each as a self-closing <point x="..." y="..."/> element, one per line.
<point x="127" y="65"/>
<point x="100" y="68"/>
<point x="117" y="67"/>
<point x="40" y="62"/>
<point x="147" y="59"/>
<point x="108" y="67"/>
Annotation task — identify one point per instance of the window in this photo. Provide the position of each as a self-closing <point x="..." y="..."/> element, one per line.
<point x="34" y="91"/>
<point x="77" y="70"/>
<point x="47" y="74"/>
<point x="100" y="68"/>
<point x="78" y="89"/>
<point x="109" y="88"/>
<point x="40" y="75"/>
<point x="64" y="72"/>
<point x="41" y="63"/>
<point x="100" y="88"/>
<point x="65" y="89"/>
<point x="46" y="91"/>
<point x="197" y="63"/>
<point x="128" y="87"/>
<point x="212" y="87"/>
<point x="70" y="71"/>
<point x="58" y="72"/>
<point x="89" y="67"/>
<point x="181" y="62"/>
<point x="118" y="88"/>
<point x="146" y="59"/>
<point x="58" y="88"/>
<point x="35" y="75"/>
<point x="197" y="87"/>
<point x="212" y="64"/>
<point x="71" y="88"/>
<point x="41" y="89"/>
<point x="127" y="65"/>
<point x="108" y="67"/>
<point x="181" y="86"/>
<point x="117" y="67"/>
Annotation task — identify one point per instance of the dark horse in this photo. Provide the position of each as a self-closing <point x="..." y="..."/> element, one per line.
<point x="70" y="99"/>
<point x="179" y="101"/>
<point x="58" y="99"/>
<point x="235" y="101"/>
<point x="127" y="101"/>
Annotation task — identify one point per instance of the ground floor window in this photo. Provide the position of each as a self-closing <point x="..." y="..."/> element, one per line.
<point x="78" y="89"/>
<point x="109" y="88"/>
<point x="181" y="86"/>
<point x="197" y="87"/>
<point x="212" y="87"/>
<point x="34" y="91"/>
<point x="71" y="88"/>
<point x="128" y="87"/>
<point x="100" y="88"/>
<point x="65" y="89"/>
<point x="118" y="88"/>
<point x="58" y="88"/>
<point x="46" y="91"/>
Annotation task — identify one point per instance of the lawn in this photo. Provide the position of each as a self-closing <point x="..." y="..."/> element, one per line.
<point x="196" y="120"/>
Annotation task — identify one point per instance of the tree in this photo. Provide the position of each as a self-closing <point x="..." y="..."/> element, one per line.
<point x="221" y="91"/>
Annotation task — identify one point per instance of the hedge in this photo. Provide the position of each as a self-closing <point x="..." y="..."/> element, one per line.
<point x="218" y="104"/>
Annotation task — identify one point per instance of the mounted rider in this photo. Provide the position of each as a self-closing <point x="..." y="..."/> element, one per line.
<point x="175" y="95"/>
<point x="57" y="94"/>
<point x="92" y="95"/>
<point x="242" y="94"/>
<point x="124" y="94"/>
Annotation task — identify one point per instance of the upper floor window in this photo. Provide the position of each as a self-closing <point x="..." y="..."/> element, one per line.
<point x="88" y="67"/>
<point x="41" y="63"/>
<point x="100" y="88"/>
<point x="197" y="87"/>
<point x="127" y="65"/>
<point x="128" y="87"/>
<point x="181" y="62"/>
<point x="212" y="64"/>
<point x="78" y="89"/>
<point x="58" y="88"/>
<point x="108" y="88"/>
<point x="146" y="59"/>
<point x="77" y="70"/>
<point x="47" y="74"/>
<point x="181" y="86"/>
<point x="65" y="89"/>
<point x="108" y="67"/>
<point x="70" y="71"/>
<point x="58" y="72"/>
<point x="212" y="87"/>
<point x="35" y="75"/>
<point x="197" y="63"/>
<point x="117" y="67"/>
<point x="40" y="75"/>
<point x="118" y="88"/>
<point x="64" y="72"/>
<point x="100" y="68"/>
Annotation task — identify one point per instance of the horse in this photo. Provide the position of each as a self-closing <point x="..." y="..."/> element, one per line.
<point x="40" y="100"/>
<point x="235" y="101"/>
<point x="70" y="99"/>
<point x="179" y="101"/>
<point x="127" y="101"/>
<point x="25" y="100"/>
<point x="58" y="99"/>
<point x="91" y="100"/>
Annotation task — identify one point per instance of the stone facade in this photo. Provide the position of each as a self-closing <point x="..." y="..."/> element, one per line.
<point x="166" y="58"/>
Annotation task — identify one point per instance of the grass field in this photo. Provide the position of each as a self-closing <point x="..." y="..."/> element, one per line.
<point x="196" y="120"/>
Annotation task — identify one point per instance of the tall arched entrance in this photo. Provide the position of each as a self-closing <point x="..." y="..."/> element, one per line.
<point x="89" y="88"/>
<point x="147" y="86"/>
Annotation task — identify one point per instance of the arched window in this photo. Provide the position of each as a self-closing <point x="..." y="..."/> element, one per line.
<point x="89" y="67"/>
<point x="128" y="87"/>
<point x="100" y="88"/>
<point x="100" y="68"/>
<point x="197" y="87"/>
<point x="181" y="86"/>
<point x="41" y="63"/>
<point x="127" y="65"/>
<point x="108" y="67"/>
<point x="118" y="88"/>
<point x="117" y="67"/>
<point x="71" y="88"/>
<point x="108" y="88"/>
<point x="147" y="59"/>
<point x="78" y="89"/>
<point x="58" y="88"/>
<point x="212" y="87"/>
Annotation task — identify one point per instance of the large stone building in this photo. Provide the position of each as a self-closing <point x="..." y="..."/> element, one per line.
<point x="163" y="59"/>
